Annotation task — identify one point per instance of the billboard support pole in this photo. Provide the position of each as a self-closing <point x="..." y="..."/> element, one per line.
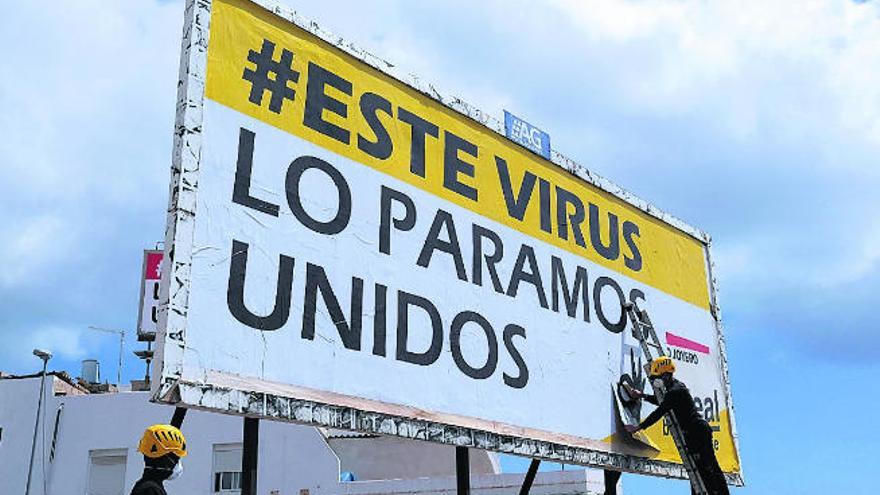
<point x="530" y="477"/>
<point x="177" y="419"/>
<point x="462" y="470"/>
<point x="250" y="441"/>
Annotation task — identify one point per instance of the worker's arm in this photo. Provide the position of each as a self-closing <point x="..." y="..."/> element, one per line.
<point x="638" y="394"/>
<point x="662" y="409"/>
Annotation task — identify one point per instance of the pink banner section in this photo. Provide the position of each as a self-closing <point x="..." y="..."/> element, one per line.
<point x="677" y="341"/>
<point x="152" y="266"/>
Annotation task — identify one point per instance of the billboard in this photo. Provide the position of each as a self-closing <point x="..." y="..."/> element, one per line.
<point x="148" y="310"/>
<point x="348" y="248"/>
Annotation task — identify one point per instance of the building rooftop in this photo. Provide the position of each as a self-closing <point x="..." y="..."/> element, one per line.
<point x="63" y="384"/>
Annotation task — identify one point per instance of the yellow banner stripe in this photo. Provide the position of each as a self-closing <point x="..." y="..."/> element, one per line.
<point x="725" y="450"/>
<point x="657" y="255"/>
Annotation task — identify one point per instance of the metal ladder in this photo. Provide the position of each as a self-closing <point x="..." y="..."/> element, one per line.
<point x="643" y="331"/>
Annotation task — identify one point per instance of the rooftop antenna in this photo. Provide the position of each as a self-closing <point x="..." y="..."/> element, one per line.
<point x="121" y="334"/>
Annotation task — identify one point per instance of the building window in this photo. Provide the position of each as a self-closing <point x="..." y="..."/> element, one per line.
<point x="107" y="472"/>
<point x="227" y="481"/>
<point x="227" y="468"/>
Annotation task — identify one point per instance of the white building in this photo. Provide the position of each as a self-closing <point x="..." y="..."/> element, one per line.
<point x="87" y="444"/>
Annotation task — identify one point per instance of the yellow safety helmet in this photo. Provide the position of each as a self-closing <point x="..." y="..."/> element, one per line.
<point x="159" y="440"/>
<point x="662" y="365"/>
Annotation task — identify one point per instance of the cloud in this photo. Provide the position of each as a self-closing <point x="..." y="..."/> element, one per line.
<point x="30" y="246"/>
<point x="755" y="121"/>
<point x="65" y="343"/>
<point x="88" y="92"/>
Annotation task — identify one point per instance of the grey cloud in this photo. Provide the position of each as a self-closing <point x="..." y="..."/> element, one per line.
<point x="87" y="132"/>
<point x="758" y="155"/>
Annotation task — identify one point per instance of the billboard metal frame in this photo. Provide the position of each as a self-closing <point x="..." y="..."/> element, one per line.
<point x="169" y="387"/>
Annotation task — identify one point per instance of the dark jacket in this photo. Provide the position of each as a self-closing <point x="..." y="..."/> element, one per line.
<point x="150" y="483"/>
<point x="678" y="399"/>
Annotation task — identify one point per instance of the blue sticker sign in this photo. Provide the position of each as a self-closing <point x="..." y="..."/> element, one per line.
<point x="520" y="131"/>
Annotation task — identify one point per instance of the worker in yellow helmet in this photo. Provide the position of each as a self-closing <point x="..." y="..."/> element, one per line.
<point x="162" y="446"/>
<point x="678" y="401"/>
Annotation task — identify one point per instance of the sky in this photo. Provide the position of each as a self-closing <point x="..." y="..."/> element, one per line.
<point x="757" y="121"/>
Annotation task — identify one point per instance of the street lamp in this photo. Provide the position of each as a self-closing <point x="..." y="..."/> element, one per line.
<point x="45" y="356"/>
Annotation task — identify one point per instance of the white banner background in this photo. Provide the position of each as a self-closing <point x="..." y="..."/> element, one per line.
<point x="571" y="363"/>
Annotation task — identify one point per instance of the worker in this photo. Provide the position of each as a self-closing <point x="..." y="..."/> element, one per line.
<point x="162" y="446"/>
<point x="697" y="432"/>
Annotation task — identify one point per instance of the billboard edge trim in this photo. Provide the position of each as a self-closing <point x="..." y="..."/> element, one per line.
<point x="238" y="402"/>
<point x="721" y="342"/>
<point x="180" y="220"/>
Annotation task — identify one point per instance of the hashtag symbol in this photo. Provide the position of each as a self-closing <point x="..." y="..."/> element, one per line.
<point x="264" y="63"/>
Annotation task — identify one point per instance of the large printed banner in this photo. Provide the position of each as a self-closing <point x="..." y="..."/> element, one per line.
<point x="348" y="240"/>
